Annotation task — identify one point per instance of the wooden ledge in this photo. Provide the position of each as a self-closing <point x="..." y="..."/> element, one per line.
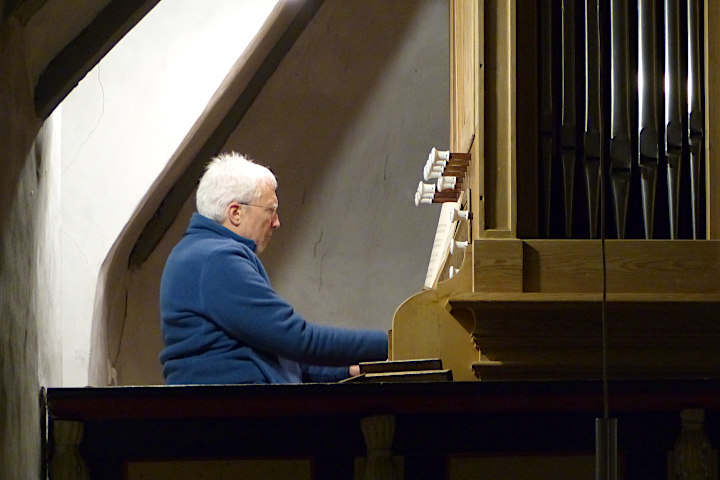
<point x="462" y="299"/>
<point x="318" y="400"/>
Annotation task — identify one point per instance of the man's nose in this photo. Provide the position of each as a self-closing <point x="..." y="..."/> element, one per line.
<point x="276" y="221"/>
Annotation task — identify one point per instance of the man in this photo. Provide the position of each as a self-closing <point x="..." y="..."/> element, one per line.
<point x="222" y="322"/>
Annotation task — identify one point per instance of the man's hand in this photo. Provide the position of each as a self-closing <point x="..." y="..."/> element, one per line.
<point x="354" y="370"/>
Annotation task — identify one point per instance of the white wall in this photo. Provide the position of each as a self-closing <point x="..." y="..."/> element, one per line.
<point x="120" y="126"/>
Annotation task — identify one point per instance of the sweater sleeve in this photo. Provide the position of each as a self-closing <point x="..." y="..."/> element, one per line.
<point x="238" y="298"/>
<point x="316" y="374"/>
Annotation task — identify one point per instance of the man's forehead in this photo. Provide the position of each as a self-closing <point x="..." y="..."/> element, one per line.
<point x="268" y="191"/>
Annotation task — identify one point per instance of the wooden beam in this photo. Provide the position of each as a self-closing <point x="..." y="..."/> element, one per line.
<point x="79" y="57"/>
<point x="498" y="265"/>
<point x="712" y="127"/>
<point x="500" y="118"/>
<point x="185" y="185"/>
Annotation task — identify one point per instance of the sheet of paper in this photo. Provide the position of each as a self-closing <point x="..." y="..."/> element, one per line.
<point x="441" y="245"/>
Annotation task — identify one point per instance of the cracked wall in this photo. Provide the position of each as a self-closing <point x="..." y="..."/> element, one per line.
<point x="121" y="125"/>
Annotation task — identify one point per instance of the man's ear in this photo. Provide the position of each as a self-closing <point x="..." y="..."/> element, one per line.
<point x="233" y="213"/>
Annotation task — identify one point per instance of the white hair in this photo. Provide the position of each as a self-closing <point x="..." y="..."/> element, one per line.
<point x="230" y="177"/>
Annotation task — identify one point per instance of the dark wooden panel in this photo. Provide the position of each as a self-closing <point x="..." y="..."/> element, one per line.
<point x="433" y="422"/>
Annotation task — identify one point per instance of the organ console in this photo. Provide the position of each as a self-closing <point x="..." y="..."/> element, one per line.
<point x="570" y="199"/>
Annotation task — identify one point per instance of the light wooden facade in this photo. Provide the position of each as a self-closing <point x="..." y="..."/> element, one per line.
<point x="528" y="308"/>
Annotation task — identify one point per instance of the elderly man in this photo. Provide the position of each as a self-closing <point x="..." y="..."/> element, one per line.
<point x="222" y="322"/>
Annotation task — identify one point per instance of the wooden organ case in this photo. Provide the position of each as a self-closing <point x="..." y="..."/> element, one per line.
<point x="538" y="101"/>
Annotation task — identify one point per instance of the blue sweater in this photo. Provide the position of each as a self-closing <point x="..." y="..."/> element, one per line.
<point x="223" y="323"/>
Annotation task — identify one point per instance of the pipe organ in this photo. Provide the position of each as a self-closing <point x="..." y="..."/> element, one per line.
<point x="579" y="179"/>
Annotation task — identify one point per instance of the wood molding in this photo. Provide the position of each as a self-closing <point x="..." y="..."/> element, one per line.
<point x="633" y="266"/>
<point x="500" y="122"/>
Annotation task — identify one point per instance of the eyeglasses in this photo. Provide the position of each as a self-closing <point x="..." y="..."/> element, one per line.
<point x="273" y="210"/>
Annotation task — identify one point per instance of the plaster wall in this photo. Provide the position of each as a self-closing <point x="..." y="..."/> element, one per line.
<point x="346" y="123"/>
<point x="49" y="252"/>
<point x="122" y="124"/>
<point x="29" y="262"/>
<point x="369" y="106"/>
